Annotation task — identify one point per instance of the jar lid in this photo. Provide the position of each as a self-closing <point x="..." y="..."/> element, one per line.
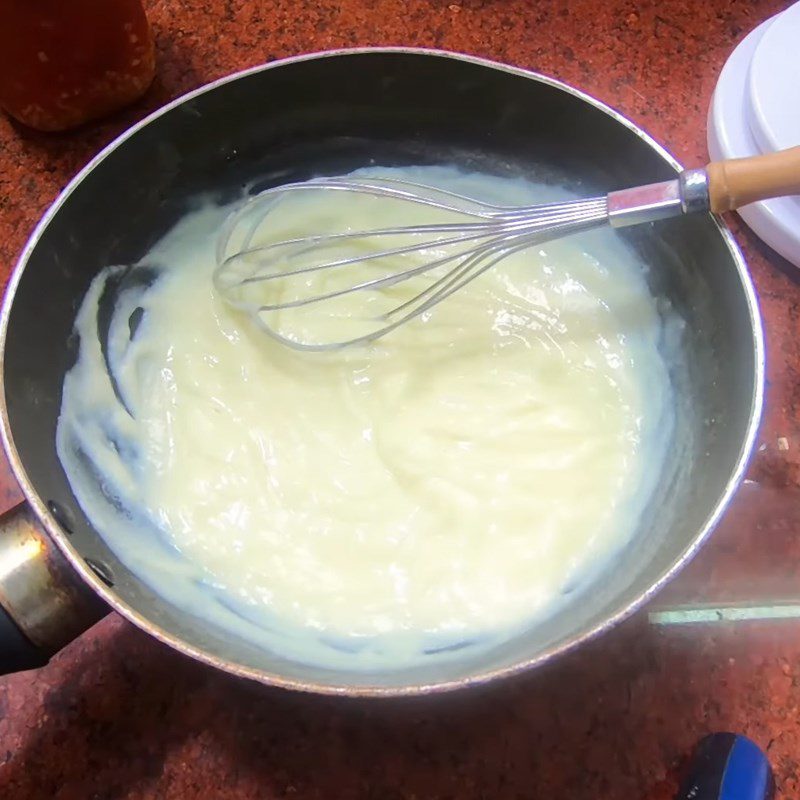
<point x="755" y="110"/>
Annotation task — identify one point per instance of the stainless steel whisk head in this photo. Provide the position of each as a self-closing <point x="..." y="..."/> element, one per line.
<point x="302" y="271"/>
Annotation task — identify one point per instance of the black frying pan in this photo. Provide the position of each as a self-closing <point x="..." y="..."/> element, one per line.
<point x="331" y="113"/>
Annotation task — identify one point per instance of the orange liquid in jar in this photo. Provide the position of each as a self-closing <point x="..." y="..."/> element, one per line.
<point x="65" y="62"/>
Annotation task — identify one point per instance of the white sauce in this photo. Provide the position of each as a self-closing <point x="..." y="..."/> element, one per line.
<point x="358" y="508"/>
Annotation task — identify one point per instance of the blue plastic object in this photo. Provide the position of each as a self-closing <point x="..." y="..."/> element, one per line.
<point x="728" y="766"/>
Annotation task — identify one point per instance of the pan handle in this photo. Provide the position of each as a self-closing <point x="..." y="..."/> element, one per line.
<point x="44" y="604"/>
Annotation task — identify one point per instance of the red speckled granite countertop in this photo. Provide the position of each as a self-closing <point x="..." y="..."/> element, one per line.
<point x="117" y="715"/>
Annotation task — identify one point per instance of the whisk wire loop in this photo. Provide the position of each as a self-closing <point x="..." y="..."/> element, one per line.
<point x="255" y="276"/>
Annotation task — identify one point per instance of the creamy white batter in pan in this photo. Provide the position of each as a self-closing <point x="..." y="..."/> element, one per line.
<point x="361" y="508"/>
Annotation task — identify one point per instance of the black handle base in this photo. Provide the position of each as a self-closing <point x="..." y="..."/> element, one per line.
<point x="17" y="652"/>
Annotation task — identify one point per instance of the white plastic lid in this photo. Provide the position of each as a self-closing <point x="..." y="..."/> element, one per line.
<point x="774" y="70"/>
<point x="756" y="109"/>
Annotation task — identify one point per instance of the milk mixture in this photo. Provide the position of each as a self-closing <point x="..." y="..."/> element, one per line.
<point x="380" y="505"/>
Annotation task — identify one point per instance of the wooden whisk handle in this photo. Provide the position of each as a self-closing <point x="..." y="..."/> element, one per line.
<point x="739" y="181"/>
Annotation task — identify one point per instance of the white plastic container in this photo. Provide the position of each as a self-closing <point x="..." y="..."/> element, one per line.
<point x="755" y="109"/>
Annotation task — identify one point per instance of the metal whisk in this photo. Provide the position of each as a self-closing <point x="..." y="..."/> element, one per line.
<point x="306" y="270"/>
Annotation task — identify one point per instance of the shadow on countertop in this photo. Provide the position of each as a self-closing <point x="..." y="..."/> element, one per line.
<point x="129" y="718"/>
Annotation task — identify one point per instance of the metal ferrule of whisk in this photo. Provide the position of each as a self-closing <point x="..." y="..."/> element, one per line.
<point x="684" y="195"/>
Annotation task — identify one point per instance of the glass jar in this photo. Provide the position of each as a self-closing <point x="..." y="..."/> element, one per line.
<point x="65" y="62"/>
